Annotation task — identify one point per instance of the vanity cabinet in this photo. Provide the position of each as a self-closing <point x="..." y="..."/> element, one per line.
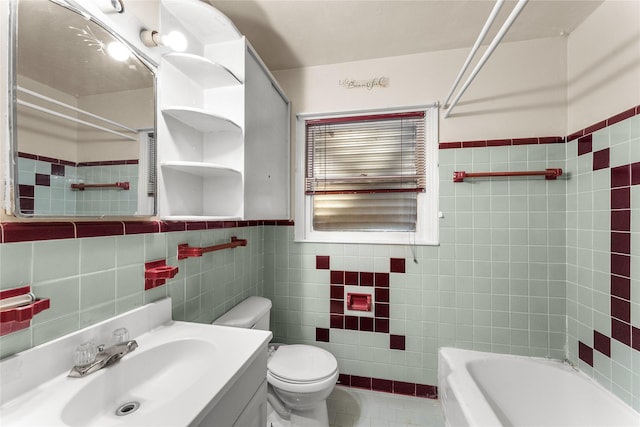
<point x="223" y="124"/>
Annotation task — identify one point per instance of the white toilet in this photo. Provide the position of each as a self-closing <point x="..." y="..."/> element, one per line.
<point x="300" y="377"/>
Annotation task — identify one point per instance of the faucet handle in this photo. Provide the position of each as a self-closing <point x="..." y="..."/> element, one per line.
<point x="120" y="336"/>
<point x="85" y="353"/>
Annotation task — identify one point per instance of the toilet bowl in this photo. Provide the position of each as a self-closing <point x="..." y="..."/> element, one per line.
<point x="300" y="377"/>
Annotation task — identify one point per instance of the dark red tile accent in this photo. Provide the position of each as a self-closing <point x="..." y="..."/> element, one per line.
<point x="584" y="145"/>
<point x="621" y="198"/>
<point x="602" y="343"/>
<point x="595" y="127"/>
<point x="48" y="159"/>
<point x="447" y="145"/>
<point x="621" y="176"/>
<point x="26" y="190"/>
<point x="351" y="278"/>
<point x="337" y="277"/>
<point x="585" y="353"/>
<point x="366" y="324"/>
<point x="27" y="155"/>
<point x="322" y="334"/>
<point x="524" y="141"/>
<point x="428" y="391"/>
<point x="621" y="331"/>
<point x="397" y="342"/>
<point x="366" y="279"/>
<point x="215" y="225"/>
<point x="336" y="321"/>
<point x="601" y="159"/>
<point x="621" y="287"/>
<point x="230" y="224"/>
<point x="575" y="135"/>
<point x="336" y="306"/>
<point x="635" y="173"/>
<point x="361" y="382"/>
<point x="397" y="265"/>
<point x="381" y="280"/>
<point x="621" y="265"/>
<point x="621" y="116"/>
<point x="381" y="325"/>
<point x="141" y="227"/>
<point x="196" y="225"/>
<point x="344" y="379"/>
<point x="337" y="292"/>
<point x="498" y="142"/>
<point x="57" y="170"/>
<point x="351" y="322"/>
<point x="42" y="179"/>
<point x="382" y="294"/>
<point x="382" y="385"/>
<point x="551" y="140"/>
<point x="382" y="310"/>
<point x="322" y="262"/>
<point x="27" y="205"/>
<point x="408" y="389"/>
<point x="635" y="338"/>
<point x="621" y="243"/>
<point x="621" y="220"/>
<point x="168" y="226"/>
<point x="99" y="229"/>
<point x="67" y="163"/>
<point x="474" y="144"/>
<point x="621" y="309"/>
<point x="32" y="231"/>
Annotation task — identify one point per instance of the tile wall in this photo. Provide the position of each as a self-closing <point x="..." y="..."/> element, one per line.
<point x="603" y="253"/>
<point x="92" y="279"/>
<point x="495" y="283"/>
<point x="45" y="187"/>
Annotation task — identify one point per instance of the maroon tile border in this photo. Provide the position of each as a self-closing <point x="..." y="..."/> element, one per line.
<point x="389" y="386"/>
<point x="14" y="232"/>
<point x="633" y="111"/>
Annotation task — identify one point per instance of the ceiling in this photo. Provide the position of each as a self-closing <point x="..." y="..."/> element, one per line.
<point x="302" y="33"/>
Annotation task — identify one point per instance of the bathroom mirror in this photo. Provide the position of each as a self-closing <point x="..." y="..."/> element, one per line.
<point x="83" y="124"/>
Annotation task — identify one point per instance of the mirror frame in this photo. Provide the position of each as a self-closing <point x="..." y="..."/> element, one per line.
<point x="13" y="172"/>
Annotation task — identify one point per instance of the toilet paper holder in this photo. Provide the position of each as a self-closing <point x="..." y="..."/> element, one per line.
<point x="359" y="302"/>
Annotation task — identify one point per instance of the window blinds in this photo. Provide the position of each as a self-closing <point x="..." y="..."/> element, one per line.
<point x="364" y="172"/>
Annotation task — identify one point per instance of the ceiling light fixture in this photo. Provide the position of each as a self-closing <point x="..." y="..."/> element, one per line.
<point x="174" y="40"/>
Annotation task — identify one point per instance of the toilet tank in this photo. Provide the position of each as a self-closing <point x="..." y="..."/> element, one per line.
<point x="252" y="313"/>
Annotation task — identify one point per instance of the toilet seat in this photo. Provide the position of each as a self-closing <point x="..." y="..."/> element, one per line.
<point x="301" y="368"/>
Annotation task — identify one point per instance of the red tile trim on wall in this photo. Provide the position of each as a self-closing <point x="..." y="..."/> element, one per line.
<point x="502" y="142"/>
<point x="55" y="161"/>
<point x="389" y="386"/>
<point x="14" y="232"/>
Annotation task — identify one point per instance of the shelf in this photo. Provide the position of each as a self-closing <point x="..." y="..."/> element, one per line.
<point x="202" y="120"/>
<point x="204" y="72"/>
<point x="205" y="22"/>
<point x="204" y="170"/>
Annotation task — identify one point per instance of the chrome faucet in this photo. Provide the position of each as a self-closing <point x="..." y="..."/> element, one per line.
<point x="90" y="359"/>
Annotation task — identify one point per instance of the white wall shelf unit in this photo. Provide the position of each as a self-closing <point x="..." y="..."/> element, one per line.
<point x="203" y="71"/>
<point x="223" y="124"/>
<point x="205" y="22"/>
<point x="201" y="169"/>
<point x="201" y="120"/>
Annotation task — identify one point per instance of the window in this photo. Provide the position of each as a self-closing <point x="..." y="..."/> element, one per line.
<point x="368" y="177"/>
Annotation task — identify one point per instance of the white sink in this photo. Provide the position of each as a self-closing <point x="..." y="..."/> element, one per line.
<point x="178" y="373"/>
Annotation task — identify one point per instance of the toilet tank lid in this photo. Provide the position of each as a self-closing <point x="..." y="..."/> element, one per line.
<point x="245" y="314"/>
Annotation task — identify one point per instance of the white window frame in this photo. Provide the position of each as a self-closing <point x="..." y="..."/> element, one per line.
<point x="426" y="232"/>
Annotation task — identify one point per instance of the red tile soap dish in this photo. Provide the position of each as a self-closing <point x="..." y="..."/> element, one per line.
<point x="157" y="272"/>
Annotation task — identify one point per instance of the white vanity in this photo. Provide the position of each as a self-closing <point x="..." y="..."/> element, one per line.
<point x="181" y="374"/>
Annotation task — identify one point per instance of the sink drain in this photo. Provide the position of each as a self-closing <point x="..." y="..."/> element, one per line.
<point x="127" y="408"/>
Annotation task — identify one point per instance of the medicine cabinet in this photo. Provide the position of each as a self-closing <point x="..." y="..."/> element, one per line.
<point x="223" y="123"/>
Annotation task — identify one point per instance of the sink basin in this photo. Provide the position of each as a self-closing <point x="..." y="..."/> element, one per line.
<point x="178" y="373"/>
<point x="140" y="380"/>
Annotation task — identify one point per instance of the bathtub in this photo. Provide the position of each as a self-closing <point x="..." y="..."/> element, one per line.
<point x="485" y="390"/>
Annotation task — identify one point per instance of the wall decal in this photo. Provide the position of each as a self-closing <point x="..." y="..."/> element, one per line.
<point x="375" y="82"/>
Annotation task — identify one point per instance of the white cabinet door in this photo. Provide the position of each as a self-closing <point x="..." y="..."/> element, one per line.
<point x="267" y="166"/>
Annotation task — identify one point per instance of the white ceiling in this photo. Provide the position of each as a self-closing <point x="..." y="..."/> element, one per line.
<point x="301" y="33"/>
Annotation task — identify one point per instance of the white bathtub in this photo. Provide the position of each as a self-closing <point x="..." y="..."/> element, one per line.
<point x="480" y="389"/>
